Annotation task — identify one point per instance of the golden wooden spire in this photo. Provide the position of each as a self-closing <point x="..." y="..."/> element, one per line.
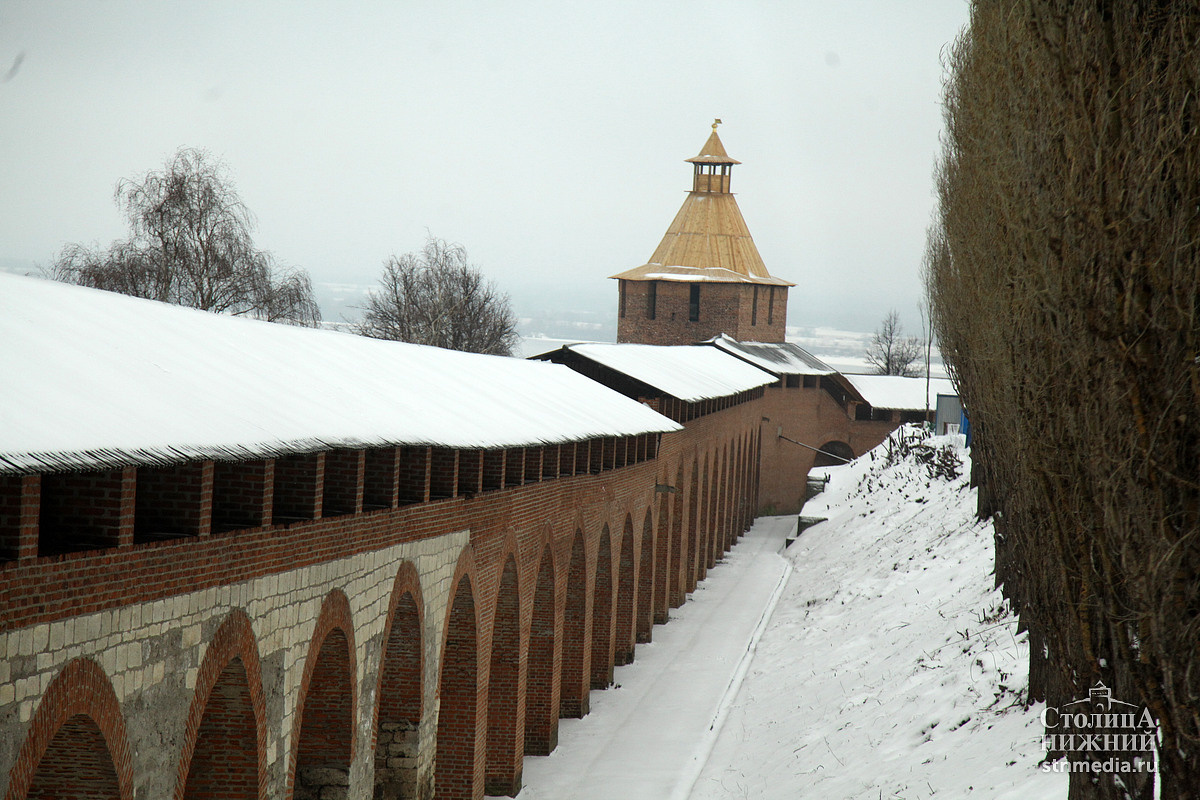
<point x="708" y="239"/>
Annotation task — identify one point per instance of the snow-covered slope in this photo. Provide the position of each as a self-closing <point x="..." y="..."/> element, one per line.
<point x="890" y="668"/>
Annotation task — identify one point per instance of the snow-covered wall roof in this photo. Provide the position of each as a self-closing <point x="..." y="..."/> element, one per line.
<point x="689" y="373"/>
<point x="94" y="379"/>
<point x="779" y="358"/>
<point x="894" y="392"/>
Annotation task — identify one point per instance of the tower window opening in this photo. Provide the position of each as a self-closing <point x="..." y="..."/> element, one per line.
<point x="651" y="299"/>
<point x="771" y="305"/>
<point x="754" y="307"/>
<point x="694" y="303"/>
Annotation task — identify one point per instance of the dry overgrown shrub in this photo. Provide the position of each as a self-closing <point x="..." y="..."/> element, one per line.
<point x="1063" y="276"/>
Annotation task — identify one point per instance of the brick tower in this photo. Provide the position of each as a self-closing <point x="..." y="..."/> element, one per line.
<point x="706" y="277"/>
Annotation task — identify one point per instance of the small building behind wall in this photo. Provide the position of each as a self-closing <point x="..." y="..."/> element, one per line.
<point x="949" y="414"/>
<point x="807" y="420"/>
<point x="899" y="400"/>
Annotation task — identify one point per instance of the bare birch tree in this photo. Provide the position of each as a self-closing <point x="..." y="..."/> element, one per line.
<point x="437" y="297"/>
<point x="191" y="245"/>
<point x="891" y="352"/>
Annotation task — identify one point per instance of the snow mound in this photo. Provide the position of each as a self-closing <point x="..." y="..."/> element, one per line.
<point x="891" y="667"/>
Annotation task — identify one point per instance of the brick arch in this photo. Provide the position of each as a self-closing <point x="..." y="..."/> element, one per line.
<point x="833" y="447"/>
<point x="459" y="764"/>
<point x="77" y="723"/>
<point x="691" y="556"/>
<point x="400" y="687"/>
<point x="505" y="722"/>
<point x="754" y="436"/>
<point x="225" y="738"/>
<point x="744" y="515"/>
<point x="725" y="519"/>
<point x="704" y="557"/>
<point x="676" y="540"/>
<point x="712" y="503"/>
<point x="662" y="559"/>
<point x="645" y="579"/>
<point x="541" y="676"/>
<point x="627" y="596"/>
<point x="574" y="683"/>
<point x="750" y="506"/>
<point x="602" y="613"/>
<point x="325" y="728"/>
<point x="737" y="480"/>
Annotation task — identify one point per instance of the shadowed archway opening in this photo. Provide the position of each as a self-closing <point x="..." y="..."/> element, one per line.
<point x="626" y="598"/>
<point x="662" y="560"/>
<point x="645" y="579"/>
<point x="691" y="564"/>
<point x="602" y="615"/>
<point x="574" y="702"/>
<point x="740" y="490"/>
<point x="704" y="560"/>
<point x="541" y="697"/>
<point x="456" y="774"/>
<point x="76" y="764"/>
<point x="400" y="704"/>
<point x="833" y="454"/>
<point x="225" y="760"/>
<point x="736" y="478"/>
<point x="726" y="516"/>
<point x="325" y="747"/>
<point x="505" y="726"/>
<point x="677" y="594"/>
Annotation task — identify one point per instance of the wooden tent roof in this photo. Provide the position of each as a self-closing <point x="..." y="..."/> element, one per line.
<point x="708" y="239"/>
<point x="713" y="151"/>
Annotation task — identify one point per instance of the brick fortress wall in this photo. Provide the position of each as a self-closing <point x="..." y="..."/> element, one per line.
<point x="361" y="638"/>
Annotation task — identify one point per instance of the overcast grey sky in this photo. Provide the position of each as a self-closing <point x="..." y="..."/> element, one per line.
<point x="546" y="137"/>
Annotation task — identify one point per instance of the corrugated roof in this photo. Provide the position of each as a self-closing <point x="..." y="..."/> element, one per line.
<point x="782" y="358"/>
<point x="94" y="379"/>
<point x="683" y="371"/>
<point x="903" y="394"/>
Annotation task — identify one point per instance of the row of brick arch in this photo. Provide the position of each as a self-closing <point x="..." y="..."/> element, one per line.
<point x="525" y="639"/>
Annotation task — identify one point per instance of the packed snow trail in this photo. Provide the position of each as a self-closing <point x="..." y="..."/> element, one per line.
<point x="648" y="735"/>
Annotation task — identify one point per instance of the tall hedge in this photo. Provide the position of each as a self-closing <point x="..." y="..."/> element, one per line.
<point x="1063" y="271"/>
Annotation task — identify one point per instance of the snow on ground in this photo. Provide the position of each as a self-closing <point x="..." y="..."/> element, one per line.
<point x="647" y="735"/>
<point x="890" y="667"/>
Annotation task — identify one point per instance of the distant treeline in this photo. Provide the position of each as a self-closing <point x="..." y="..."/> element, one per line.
<point x="1064" y="276"/>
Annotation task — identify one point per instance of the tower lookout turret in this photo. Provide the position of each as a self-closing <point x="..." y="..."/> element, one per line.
<point x="706" y="276"/>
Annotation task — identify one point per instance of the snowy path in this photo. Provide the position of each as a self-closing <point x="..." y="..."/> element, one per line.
<point x="622" y="749"/>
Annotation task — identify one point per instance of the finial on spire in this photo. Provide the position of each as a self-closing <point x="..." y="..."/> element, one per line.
<point x="716" y="122"/>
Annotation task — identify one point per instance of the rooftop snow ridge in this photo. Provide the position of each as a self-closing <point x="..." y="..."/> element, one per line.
<point x="100" y="380"/>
